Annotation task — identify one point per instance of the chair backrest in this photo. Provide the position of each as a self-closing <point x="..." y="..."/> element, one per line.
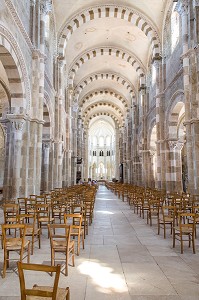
<point x="20" y="231"/>
<point x="187" y="220"/>
<point x="37" y="292"/>
<point x="75" y="220"/>
<point x="59" y="231"/>
<point x="43" y="210"/>
<point x="10" y="210"/>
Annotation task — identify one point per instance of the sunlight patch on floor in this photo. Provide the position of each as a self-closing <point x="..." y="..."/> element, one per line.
<point x="105" y="212"/>
<point x="103" y="277"/>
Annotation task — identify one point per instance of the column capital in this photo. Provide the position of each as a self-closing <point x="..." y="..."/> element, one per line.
<point x="32" y="2"/>
<point x="46" y="144"/>
<point x="176" y="145"/>
<point x="45" y="6"/>
<point x="157" y="61"/>
<point x="17" y="121"/>
<point x="196" y="2"/>
<point x="182" y="7"/>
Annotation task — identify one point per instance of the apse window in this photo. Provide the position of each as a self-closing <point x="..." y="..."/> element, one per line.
<point x="175" y="28"/>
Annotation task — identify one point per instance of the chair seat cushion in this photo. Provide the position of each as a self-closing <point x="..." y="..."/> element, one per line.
<point x="15" y="244"/>
<point x="61" y="293"/>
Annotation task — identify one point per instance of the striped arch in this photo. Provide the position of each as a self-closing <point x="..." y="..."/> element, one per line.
<point x="103" y="92"/>
<point x="133" y="16"/>
<point x="172" y="113"/>
<point x="115" y="118"/>
<point x="15" y="68"/>
<point x="104" y="76"/>
<point x="106" y="51"/>
<point x="105" y="106"/>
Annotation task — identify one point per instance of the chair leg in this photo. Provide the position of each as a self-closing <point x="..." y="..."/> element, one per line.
<point x="28" y="258"/>
<point x="82" y="240"/>
<point x="181" y="243"/>
<point x="32" y="245"/>
<point x="39" y="240"/>
<point x="66" y="266"/>
<point x="68" y="294"/>
<point x="4" y="263"/>
<point x="73" y="256"/>
<point x="164" y="230"/>
<point x="174" y="238"/>
<point x="193" y="243"/>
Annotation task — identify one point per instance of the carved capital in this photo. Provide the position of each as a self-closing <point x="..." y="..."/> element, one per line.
<point x="32" y="2"/>
<point x="152" y="152"/>
<point x="17" y="121"/>
<point x="182" y="8"/>
<point x="176" y="145"/>
<point x="45" y="6"/>
<point x="46" y="145"/>
<point x="196" y="2"/>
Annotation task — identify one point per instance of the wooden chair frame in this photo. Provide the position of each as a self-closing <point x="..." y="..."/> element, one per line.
<point x="14" y="244"/>
<point x="61" y="243"/>
<point x="41" y="291"/>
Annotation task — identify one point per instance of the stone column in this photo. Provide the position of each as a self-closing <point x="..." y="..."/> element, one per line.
<point x="144" y="137"/>
<point x="86" y="162"/>
<point x="161" y="169"/>
<point x="175" y="175"/>
<point x="117" y="153"/>
<point x="152" y="179"/>
<point x="46" y="165"/>
<point x="51" y="166"/>
<point x="183" y="10"/>
<point x="12" y="178"/>
<point x="74" y="147"/>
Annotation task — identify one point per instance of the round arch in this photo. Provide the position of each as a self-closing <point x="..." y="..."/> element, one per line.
<point x="133" y="16"/>
<point x="105" y="51"/>
<point x="12" y="59"/>
<point x="118" y="78"/>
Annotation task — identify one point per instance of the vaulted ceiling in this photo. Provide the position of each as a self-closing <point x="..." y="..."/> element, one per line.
<point x="107" y="46"/>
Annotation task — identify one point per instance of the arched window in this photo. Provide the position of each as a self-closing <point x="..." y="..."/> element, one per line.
<point x="101" y="153"/>
<point x="94" y="141"/>
<point x="101" y="141"/>
<point x="108" y="141"/>
<point x="175" y="28"/>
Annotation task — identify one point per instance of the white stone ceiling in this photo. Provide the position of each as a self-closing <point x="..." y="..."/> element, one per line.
<point x="113" y="37"/>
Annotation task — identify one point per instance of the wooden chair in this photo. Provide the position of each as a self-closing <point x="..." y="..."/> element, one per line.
<point x="75" y="220"/>
<point x="32" y="229"/>
<point x="81" y="209"/>
<point x="22" y="205"/>
<point x="167" y="218"/>
<point x="43" y="216"/>
<point x="185" y="231"/>
<point x="41" y="292"/>
<point x="18" y="243"/>
<point x="11" y="211"/>
<point x="60" y="241"/>
<point x="154" y="210"/>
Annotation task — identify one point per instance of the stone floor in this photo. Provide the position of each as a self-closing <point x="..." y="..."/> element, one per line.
<point x="124" y="259"/>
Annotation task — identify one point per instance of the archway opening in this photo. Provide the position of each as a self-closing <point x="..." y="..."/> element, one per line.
<point x="101" y="152"/>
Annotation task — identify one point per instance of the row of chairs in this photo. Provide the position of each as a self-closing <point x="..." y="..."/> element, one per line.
<point x="178" y="211"/>
<point x="18" y="228"/>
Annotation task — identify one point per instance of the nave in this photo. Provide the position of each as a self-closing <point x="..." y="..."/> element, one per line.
<point x="124" y="258"/>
